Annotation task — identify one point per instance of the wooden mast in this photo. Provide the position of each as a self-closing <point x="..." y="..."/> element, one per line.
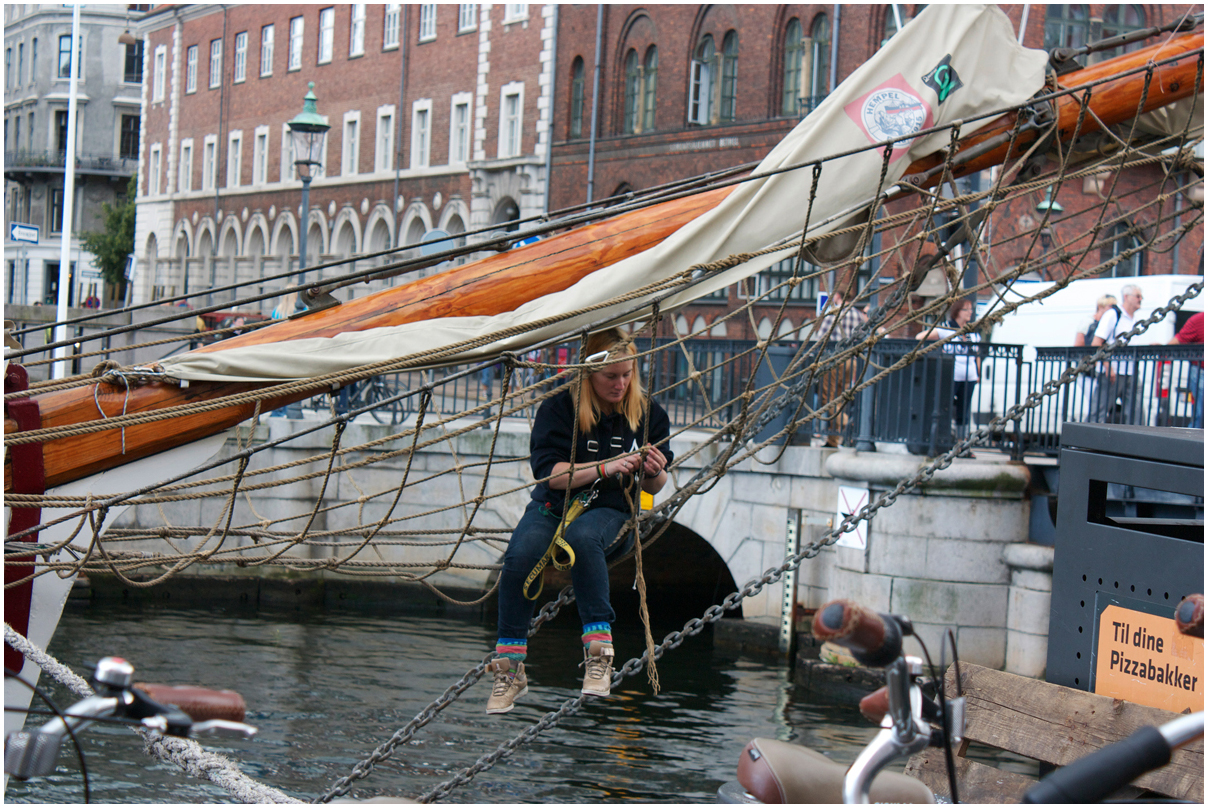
<point x="502" y="283"/>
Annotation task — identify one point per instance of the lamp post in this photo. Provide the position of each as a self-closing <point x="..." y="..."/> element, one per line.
<point x="307" y="132"/>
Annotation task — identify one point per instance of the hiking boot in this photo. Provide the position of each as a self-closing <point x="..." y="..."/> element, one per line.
<point x="598" y="669"/>
<point x="510" y="683"/>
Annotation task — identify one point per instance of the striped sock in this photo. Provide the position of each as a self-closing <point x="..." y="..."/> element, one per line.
<point x="601" y="632"/>
<point x="512" y="648"/>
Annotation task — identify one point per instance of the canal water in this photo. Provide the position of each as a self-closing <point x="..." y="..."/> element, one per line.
<point x="326" y="688"/>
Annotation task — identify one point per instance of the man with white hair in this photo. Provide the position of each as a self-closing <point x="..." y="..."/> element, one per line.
<point x="1116" y="378"/>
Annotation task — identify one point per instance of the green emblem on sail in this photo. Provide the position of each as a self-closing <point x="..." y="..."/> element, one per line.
<point x="943" y="79"/>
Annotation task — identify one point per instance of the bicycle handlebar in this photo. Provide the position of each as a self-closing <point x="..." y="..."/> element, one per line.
<point x="874" y="639"/>
<point x="1096" y="776"/>
<point x="1190" y="616"/>
<point x="30" y="753"/>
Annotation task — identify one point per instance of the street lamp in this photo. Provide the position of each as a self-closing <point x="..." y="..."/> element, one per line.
<point x="307" y="132"/>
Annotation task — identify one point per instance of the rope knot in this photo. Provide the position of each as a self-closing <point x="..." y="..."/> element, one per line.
<point x="104" y="367"/>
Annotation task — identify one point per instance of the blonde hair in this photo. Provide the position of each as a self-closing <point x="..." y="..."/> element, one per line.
<point x="588" y="406"/>
<point x="1105" y="301"/>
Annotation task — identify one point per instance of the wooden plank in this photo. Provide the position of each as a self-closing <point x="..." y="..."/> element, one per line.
<point x="1055" y="724"/>
<point x="976" y="783"/>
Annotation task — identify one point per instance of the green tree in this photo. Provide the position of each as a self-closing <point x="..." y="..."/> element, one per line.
<point x="113" y="245"/>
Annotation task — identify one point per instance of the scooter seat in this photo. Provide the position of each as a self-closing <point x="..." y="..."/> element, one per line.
<point x="779" y="772"/>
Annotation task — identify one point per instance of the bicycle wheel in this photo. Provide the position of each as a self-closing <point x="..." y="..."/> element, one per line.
<point x="376" y="394"/>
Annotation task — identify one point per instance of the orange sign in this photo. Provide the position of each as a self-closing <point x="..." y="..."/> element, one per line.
<point x="1142" y="658"/>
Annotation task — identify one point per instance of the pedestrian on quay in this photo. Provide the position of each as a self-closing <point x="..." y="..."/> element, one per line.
<point x="967" y="364"/>
<point x="609" y="417"/>
<point x="1116" y="377"/>
<point x="840" y="323"/>
<point x="1193" y="333"/>
<point x="1089" y="380"/>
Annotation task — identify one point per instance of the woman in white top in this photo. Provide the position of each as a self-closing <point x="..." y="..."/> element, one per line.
<point x="967" y="366"/>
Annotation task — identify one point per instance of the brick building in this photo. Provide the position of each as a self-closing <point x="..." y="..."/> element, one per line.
<point x="686" y="89"/>
<point x="37" y="84"/>
<point x="447" y="116"/>
<point x="438" y="116"/>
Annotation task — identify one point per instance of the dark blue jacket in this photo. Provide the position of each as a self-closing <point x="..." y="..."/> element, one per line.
<point x="550" y="444"/>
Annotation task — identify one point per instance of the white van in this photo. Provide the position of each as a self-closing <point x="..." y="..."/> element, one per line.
<point x="1055" y="320"/>
<point x="1051" y="325"/>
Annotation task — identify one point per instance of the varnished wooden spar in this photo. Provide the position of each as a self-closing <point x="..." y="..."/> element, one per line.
<point x="490" y="286"/>
<point x="502" y="283"/>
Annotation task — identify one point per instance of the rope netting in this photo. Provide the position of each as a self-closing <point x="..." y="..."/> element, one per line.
<point x="365" y="512"/>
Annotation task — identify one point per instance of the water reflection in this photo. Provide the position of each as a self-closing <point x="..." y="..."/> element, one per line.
<point x="327" y="688"/>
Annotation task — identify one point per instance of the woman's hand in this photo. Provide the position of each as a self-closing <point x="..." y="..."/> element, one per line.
<point x="653" y="461"/>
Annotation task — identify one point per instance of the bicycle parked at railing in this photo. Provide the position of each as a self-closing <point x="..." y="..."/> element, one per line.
<point x="182" y="711"/>
<point x="373" y="392"/>
<point x="771" y="771"/>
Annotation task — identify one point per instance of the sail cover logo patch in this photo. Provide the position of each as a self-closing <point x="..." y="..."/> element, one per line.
<point x="944" y="79"/>
<point x="891" y="111"/>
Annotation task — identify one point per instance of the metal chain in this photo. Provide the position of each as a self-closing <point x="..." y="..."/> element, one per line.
<point x="451" y="694"/>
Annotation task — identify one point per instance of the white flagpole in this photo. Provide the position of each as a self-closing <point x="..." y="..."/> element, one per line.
<point x="69" y="196"/>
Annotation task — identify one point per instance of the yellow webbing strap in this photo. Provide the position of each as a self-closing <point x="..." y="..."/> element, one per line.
<point x="576" y="507"/>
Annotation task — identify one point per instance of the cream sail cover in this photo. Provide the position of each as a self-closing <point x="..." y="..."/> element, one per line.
<point x="952" y="62"/>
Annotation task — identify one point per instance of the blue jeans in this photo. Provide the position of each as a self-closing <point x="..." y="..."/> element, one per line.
<point x="1196" y="383"/>
<point x="593" y="537"/>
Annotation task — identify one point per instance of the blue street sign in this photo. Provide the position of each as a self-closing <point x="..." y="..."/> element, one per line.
<point x="18" y="232"/>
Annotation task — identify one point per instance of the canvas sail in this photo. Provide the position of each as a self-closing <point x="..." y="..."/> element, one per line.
<point x="952" y="62"/>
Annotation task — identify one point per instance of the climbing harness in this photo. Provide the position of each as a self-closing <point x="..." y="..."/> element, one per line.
<point x="578" y="505"/>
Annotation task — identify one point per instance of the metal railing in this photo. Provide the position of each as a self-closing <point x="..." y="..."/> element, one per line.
<point x="86" y="162"/>
<point x="699" y="382"/>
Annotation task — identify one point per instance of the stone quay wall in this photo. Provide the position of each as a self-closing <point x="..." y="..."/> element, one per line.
<point x="952" y="554"/>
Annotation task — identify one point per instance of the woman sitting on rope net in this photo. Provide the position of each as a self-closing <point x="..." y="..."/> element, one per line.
<point x="592" y="449"/>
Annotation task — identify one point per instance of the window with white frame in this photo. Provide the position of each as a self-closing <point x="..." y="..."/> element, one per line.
<point x="234" y="158"/>
<point x="428" y="21"/>
<point x="191" y="69"/>
<point x="185" y="183"/>
<point x="467" y="16"/>
<point x="459" y="128"/>
<point x="384" y="142"/>
<point x="287" y="154"/>
<point x="350" y="151"/>
<point x="215" y="63"/>
<point x="421" y="132"/>
<point x="327" y="27"/>
<point x="266" y="50"/>
<point x="515" y="12"/>
<point x="241" y="56"/>
<point x="701" y="82"/>
<point x="356" y="31"/>
<point x="260" y="156"/>
<point x="512" y="100"/>
<point x="390" y="26"/>
<point x="154" y="172"/>
<point x="209" y="162"/>
<point x="161" y="73"/>
<point x="295" y="43"/>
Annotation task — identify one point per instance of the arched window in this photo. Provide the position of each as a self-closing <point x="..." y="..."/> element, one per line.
<point x="1125" y="264"/>
<point x="577" y="98"/>
<point x="819" y="83"/>
<point x="1065" y="26"/>
<point x="1122" y="19"/>
<point x="791" y="72"/>
<point x="730" y="76"/>
<point x="701" y="82"/>
<point x="650" y="73"/>
<point x="633" y="86"/>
